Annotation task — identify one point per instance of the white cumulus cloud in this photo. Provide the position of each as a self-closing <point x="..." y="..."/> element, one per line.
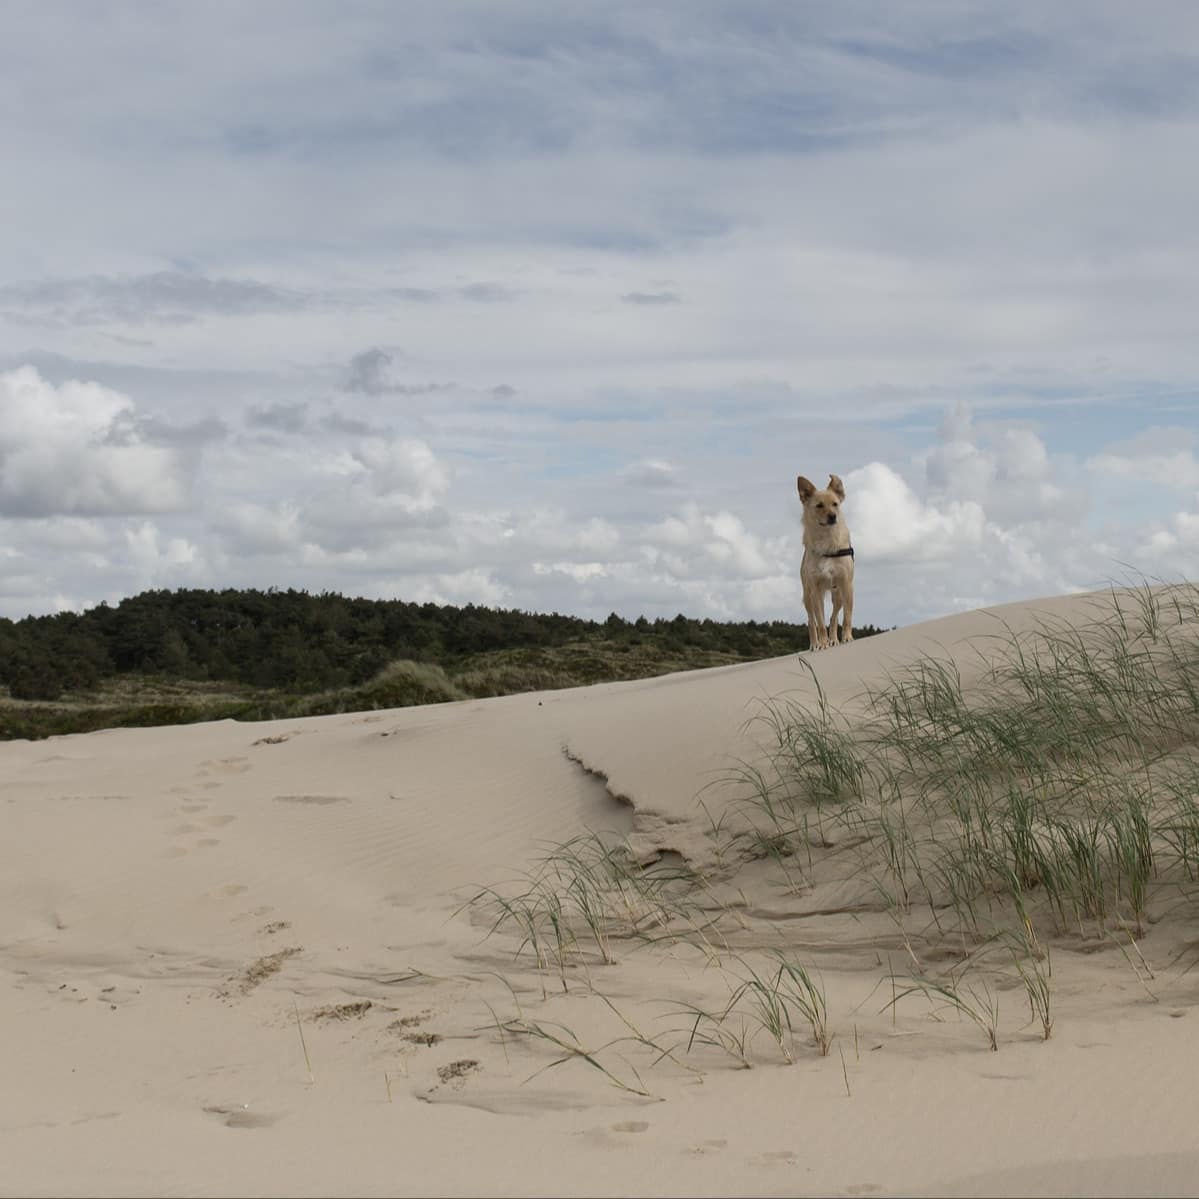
<point x="76" y="449"/>
<point x="891" y="523"/>
<point x="1178" y="469"/>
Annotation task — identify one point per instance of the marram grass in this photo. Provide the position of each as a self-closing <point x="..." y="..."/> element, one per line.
<point x="1050" y="791"/>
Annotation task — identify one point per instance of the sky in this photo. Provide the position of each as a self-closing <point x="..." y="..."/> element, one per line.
<point x="545" y="304"/>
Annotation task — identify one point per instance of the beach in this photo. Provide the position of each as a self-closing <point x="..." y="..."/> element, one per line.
<point x="275" y="959"/>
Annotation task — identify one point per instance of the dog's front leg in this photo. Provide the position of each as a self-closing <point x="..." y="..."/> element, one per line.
<point x="816" y="635"/>
<point x="815" y="605"/>
<point x="847" y="626"/>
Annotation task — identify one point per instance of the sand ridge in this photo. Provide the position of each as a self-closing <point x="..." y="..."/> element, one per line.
<point x="181" y="909"/>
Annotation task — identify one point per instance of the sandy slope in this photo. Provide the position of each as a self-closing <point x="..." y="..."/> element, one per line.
<point x="172" y="899"/>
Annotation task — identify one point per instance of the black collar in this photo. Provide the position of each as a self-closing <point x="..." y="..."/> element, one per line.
<point x="845" y="553"/>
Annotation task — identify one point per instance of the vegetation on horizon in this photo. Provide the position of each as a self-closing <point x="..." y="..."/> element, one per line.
<point x="171" y="657"/>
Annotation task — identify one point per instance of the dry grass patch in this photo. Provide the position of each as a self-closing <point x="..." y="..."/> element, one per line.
<point x="459" y="1069"/>
<point x="262" y="969"/>
<point x="343" y="1011"/>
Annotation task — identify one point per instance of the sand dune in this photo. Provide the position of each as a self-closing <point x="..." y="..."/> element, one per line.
<point x="234" y="959"/>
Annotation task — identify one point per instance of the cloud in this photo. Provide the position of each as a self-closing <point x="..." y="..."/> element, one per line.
<point x="165" y="297"/>
<point x="518" y="194"/>
<point x="891" y="524"/>
<point x="1007" y="473"/>
<point x="1186" y="526"/>
<point x="335" y="422"/>
<point x="379" y="494"/>
<point x="373" y="372"/>
<point x="1176" y="469"/>
<point x="74" y="535"/>
<point x="253" y="529"/>
<point x="527" y="543"/>
<point x="579" y="572"/>
<point x="487" y="293"/>
<point x="194" y="435"/>
<point x="733" y="545"/>
<point x="651" y="472"/>
<point x="716" y="546"/>
<point x="417" y="295"/>
<point x="77" y="450"/>
<point x="650" y="298"/>
<point x="370" y="371"/>
<point x="404" y="467"/>
<point x="421" y="389"/>
<point x="154" y="557"/>
<point x="471" y="586"/>
<point x="281" y="417"/>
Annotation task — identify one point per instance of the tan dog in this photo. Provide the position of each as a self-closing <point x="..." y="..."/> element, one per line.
<point x="827" y="564"/>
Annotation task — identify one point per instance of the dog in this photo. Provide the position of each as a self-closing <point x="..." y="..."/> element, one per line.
<point x="827" y="564"/>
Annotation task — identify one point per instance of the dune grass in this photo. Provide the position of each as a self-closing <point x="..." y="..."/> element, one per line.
<point x="763" y="1000"/>
<point x="1065" y="779"/>
<point x="979" y="1004"/>
<point x="1045" y="791"/>
<point x="583" y="897"/>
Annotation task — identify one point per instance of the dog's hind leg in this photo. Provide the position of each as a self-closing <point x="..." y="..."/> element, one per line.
<point x="847" y="627"/>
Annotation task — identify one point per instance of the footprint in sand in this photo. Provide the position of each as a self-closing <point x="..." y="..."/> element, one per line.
<point x="776" y="1157"/>
<point x="223" y="766"/>
<point x="95" y="1116"/>
<point x="256" y="914"/>
<point x="188" y="830"/>
<point x="451" y="1080"/>
<point x="239" y="1115"/>
<point x="228" y="891"/>
<point x="454" y="1074"/>
<point x="320" y="800"/>
<point x="115" y="994"/>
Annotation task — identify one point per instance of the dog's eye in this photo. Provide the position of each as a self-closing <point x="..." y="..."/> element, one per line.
<point x="820" y="505"/>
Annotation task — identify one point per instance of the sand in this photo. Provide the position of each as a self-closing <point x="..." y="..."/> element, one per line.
<point x="233" y="961"/>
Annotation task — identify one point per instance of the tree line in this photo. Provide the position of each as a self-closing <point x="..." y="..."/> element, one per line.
<point x="304" y="642"/>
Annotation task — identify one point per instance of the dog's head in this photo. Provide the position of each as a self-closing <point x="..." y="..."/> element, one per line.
<point x="821" y="507"/>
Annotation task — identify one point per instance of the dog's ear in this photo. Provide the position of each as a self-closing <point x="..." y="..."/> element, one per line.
<point x="836" y="487"/>
<point x="807" y="488"/>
